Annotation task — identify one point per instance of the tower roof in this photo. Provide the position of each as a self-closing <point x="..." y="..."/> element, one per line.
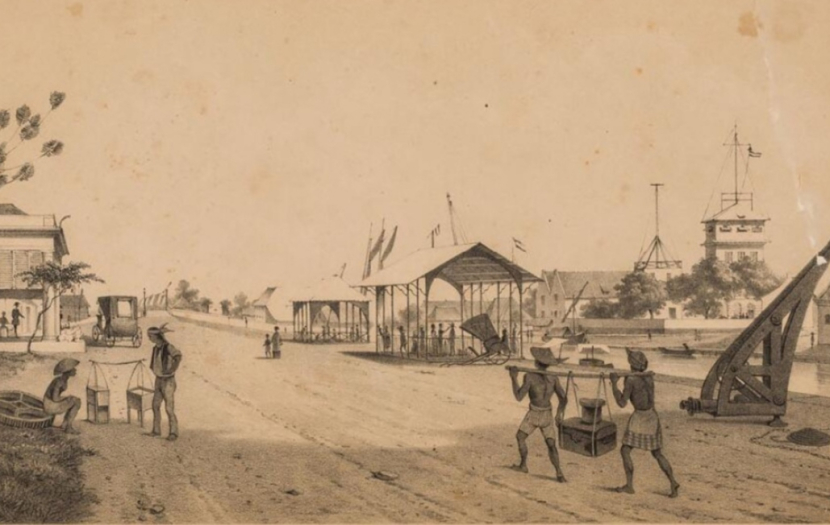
<point x="740" y="211"/>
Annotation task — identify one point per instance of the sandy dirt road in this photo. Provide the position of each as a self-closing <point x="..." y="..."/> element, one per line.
<point x="320" y="420"/>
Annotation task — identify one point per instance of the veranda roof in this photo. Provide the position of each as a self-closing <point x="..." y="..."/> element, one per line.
<point x="331" y="289"/>
<point x="458" y="265"/>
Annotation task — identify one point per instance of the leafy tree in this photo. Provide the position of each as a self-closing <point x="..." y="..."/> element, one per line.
<point x="205" y="304"/>
<point x="28" y="128"/>
<point x="241" y="303"/>
<point x="185" y="296"/>
<point x="225" y="304"/>
<point x="600" y="309"/>
<point x="755" y="278"/>
<point x="639" y="293"/>
<point x="710" y="283"/>
<point x="60" y="278"/>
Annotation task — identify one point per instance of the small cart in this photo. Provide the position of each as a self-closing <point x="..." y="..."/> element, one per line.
<point x="117" y="320"/>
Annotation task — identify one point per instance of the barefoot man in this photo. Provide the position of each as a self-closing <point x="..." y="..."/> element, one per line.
<point x="643" y="430"/>
<point x="540" y="388"/>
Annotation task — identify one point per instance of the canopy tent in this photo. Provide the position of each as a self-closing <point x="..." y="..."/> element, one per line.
<point x="313" y="306"/>
<point x="467" y="268"/>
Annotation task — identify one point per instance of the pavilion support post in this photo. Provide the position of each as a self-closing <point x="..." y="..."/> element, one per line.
<point x="408" y="322"/>
<point x="418" y="316"/>
<point x="426" y="317"/>
<point x="498" y="307"/>
<point x="377" y="309"/>
<point x="472" y="310"/>
<point x="510" y="307"/>
<point x="392" y="322"/>
<point x="462" y="317"/>
<point x="521" y="324"/>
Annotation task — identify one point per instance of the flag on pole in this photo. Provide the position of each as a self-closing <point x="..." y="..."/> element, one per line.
<point x="342" y="270"/>
<point x="389" y="245"/>
<point x="376" y="248"/>
<point x="436" y="231"/>
<point x="519" y="245"/>
<point x="754" y="154"/>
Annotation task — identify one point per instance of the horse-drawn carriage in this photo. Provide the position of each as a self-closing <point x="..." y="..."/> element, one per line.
<point x="117" y="319"/>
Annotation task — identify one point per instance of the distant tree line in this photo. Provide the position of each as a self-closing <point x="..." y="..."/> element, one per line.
<point x="703" y="291"/>
<point x="188" y="298"/>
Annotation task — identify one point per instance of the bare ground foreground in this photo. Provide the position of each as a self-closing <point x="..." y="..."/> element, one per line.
<point x="297" y="440"/>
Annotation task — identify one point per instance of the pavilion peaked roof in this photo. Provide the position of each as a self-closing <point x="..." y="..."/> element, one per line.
<point x="330" y="289"/>
<point x="458" y="265"/>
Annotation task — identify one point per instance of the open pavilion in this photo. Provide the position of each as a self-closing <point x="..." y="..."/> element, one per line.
<point x="470" y="269"/>
<point x="314" y="305"/>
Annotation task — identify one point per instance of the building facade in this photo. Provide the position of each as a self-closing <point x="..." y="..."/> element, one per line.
<point x="737" y="232"/>
<point x="27" y="241"/>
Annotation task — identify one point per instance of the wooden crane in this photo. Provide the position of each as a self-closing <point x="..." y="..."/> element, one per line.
<point x="734" y="387"/>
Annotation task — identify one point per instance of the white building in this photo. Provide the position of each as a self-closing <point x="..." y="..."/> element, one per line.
<point x="25" y="242"/>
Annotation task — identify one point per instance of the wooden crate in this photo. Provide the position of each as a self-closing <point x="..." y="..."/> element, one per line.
<point x="139" y="399"/>
<point x="579" y="437"/>
<point x="98" y="404"/>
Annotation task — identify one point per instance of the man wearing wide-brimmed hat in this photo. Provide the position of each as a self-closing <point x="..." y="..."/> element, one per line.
<point x="164" y="363"/>
<point x="643" y="430"/>
<point x="54" y="403"/>
<point x="540" y="388"/>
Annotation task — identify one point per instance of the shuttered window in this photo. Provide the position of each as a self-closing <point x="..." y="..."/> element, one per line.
<point x="6" y="270"/>
<point x="21" y="264"/>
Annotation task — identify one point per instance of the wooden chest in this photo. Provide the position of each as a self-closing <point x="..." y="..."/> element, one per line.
<point x="582" y="438"/>
<point x="98" y="404"/>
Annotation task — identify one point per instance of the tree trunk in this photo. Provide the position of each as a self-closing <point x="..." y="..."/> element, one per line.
<point x="40" y="315"/>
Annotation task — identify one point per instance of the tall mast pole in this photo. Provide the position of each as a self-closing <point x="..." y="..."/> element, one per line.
<point x="736" y="163"/>
<point x="657" y="208"/>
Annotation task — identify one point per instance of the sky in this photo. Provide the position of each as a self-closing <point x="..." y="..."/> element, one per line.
<point x="245" y="144"/>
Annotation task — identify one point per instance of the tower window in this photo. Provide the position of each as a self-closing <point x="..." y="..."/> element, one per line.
<point x="728" y="257"/>
<point x="755" y="256"/>
<point x="741" y="255"/>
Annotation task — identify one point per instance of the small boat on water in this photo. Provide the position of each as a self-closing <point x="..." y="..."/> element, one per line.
<point x="684" y="353"/>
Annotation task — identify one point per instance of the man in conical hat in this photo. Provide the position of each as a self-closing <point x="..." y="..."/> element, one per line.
<point x="540" y="389"/>
<point x="643" y="430"/>
<point x="164" y="362"/>
<point x="54" y="403"/>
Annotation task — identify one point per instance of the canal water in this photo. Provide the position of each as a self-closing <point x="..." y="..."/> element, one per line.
<point x="806" y="378"/>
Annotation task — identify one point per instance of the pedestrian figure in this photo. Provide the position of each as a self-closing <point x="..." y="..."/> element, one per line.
<point x="422" y="334"/>
<point x="643" y="430"/>
<point x="16" y="317"/>
<point x="440" y="338"/>
<point x="164" y="363"/>
<point x="451" y="338"/>
<point x="540" y="389"/>
<point x="812" y="335"/>
<point x="246" y="321"/>
<point x="276" y="343"/>
<point x="4" y="325"/>
<point x="513" y="339"/>
<point x="54" y="404"/>
<point x="403" y="339"/>
<point x="267" y="346"/>
<point x="648" y="333"/>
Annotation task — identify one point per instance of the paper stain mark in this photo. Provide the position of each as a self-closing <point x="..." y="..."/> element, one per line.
<point x="748" y="25"/>
<point x="76" y="9"/>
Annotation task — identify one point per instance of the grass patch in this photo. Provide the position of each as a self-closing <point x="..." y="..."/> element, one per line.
<point x="40" y="477"/>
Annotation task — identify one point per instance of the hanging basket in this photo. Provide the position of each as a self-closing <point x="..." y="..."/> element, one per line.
<point x="97" y="396"/>
<point x="588" y="435"/>
<point x="139" y="392"/>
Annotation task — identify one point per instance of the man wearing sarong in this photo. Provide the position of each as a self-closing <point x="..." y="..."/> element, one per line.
<point x="643" y="430"/>
<point x="540" y="388"/>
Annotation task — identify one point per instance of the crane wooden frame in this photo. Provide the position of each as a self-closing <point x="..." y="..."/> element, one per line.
<point x="734" y="387"/>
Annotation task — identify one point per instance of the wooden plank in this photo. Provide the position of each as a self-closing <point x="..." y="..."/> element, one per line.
<point x="577" y="374"/>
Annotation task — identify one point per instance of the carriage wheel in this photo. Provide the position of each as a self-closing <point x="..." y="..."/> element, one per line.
<point x="137" y="339"/>
<point x="96" y="333"/>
